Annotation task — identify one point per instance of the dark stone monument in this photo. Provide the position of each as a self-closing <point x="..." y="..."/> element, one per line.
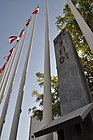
<point x="74" y="92"/>
<point x="75" y="99"/>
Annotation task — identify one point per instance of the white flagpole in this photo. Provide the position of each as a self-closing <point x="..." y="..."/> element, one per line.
<point x="47" y="101"/>
<point x="5" y="107"/>
<point x="8" y="73"/>
<point x="30" y="128"/>
<point x="82" y="24"/>
<point x="7" y="67"/>
<point x="14" y="128"/>
<point x="2" y="75"/>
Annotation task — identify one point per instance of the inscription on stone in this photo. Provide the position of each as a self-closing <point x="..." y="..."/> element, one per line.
<point x="63" y="54"/>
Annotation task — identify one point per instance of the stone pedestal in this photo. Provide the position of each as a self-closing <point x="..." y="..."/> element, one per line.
<point x="82" y="131"/>
<point x="76" y="125"/>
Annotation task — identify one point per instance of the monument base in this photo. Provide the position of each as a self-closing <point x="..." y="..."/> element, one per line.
<point x="82" y="131"/>
<point x="76" y="125"/>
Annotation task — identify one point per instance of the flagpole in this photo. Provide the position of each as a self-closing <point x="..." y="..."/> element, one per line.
<point x="29" y="138"/>
<point x="7" y="67"/>
<point x="5" y="107"/>
<point x="8" y="73"/>
<point x="1" y="75"/>
<point x="82" y="24"/>
<point x="14" y="128"/>
<point x="5" y="72"/>
<point x="47" y="101"/>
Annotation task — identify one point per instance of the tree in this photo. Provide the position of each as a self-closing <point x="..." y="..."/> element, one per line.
<point x="38" y="113"/>
<point x="68" y="21"/>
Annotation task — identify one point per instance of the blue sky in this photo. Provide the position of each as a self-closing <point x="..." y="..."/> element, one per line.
<point x="13" y="15"/>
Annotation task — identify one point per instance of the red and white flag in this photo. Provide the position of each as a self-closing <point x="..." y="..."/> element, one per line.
<point x="22" y="33"/>
<point x="36" y="10"/>
<point x="12" y="39"/>
<point x="1" y="69"/>
<point x="11" y="51"/>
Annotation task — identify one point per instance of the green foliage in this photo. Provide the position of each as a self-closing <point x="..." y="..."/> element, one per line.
<point x="39" y="96"/>
<point x="40" y="79"/>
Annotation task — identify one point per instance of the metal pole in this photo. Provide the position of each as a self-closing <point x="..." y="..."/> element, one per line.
<point x="47" y="101"/>
<point x="30" y="128"/>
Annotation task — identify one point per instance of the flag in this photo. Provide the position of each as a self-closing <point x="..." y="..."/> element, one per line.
<point x="12" y="38"/>
<point x="36" y="10"/>
<point x="4" y="66"/>
<point x="28" y="22"/>
<point x="18" y="38"/>
<point x="9" y="56"/>
<point x="22" y="32"/>
<point x="1" y="69"/>
<point x="12" y="50"/>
